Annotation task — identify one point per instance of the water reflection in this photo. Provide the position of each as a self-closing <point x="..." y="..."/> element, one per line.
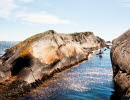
<point x="91" y="80"/>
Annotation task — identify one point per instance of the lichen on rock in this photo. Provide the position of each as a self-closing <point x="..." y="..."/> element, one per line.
<point x="44" y="54"/>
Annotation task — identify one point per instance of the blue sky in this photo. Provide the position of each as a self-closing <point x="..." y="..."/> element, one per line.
<point x="20" y="19"/>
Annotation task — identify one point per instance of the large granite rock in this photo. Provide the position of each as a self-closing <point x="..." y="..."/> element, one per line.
<point x="42" y="55"/>
<point x="120" y="56"/>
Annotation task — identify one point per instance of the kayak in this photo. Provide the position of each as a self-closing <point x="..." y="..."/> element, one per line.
<point x="100" y="55"/>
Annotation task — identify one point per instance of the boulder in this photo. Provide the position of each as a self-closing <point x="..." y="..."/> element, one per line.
<point x="120" y="57"/>
<point x="42" y="55"/>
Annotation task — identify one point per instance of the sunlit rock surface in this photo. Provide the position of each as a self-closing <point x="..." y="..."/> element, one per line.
<point x="39" y="57"/>
<point x="120" y="56"/>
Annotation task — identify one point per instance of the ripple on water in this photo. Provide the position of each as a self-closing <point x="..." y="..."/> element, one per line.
<point x="91" y="80"/>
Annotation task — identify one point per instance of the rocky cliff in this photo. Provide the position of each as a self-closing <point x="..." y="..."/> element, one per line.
<point x="120" y="56"/>
<point x="39" y="57"/>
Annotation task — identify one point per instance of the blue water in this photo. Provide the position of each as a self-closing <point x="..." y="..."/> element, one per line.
<point x="5" y="45"/>
<point x="91" y="80"/>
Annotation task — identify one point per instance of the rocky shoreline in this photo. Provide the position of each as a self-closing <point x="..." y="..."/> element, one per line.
<point x="29" y="63"/>
<point x="120" y="57"/>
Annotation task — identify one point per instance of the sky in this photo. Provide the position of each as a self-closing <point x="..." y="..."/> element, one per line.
<point x="20" y="19"/>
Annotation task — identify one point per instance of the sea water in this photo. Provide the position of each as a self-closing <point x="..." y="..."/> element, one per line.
<point x="91" y="80"/>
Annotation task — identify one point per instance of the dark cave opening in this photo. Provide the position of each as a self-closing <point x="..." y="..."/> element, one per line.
<point x="19" y="64"/>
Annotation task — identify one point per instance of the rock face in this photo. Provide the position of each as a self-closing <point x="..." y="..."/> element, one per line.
<point x="44" y="54"/>
<point x="120" y="56"/>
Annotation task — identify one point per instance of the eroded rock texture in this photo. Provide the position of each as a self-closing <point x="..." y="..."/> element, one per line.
<point x="120" y="56"/>
<point x="43" y="55"/>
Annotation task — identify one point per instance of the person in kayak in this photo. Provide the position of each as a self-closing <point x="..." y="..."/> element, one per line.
<point x="100" y="53"/>
<point x="105" y="49"/>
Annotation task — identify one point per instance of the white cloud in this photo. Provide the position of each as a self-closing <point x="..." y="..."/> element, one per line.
<point x="9" y="10"/>
<point x="125" y="3"/>
<point x="6" y="8"/>
<point x="27" y="1"/>
<point x="41" y="17"/>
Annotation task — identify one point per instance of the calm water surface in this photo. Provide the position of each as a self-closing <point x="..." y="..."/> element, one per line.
<point x="91" y="80"/>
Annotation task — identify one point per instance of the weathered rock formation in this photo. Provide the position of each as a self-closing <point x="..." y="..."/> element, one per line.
<point x="120" y="56"/>
<point x="45" y="54"/>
